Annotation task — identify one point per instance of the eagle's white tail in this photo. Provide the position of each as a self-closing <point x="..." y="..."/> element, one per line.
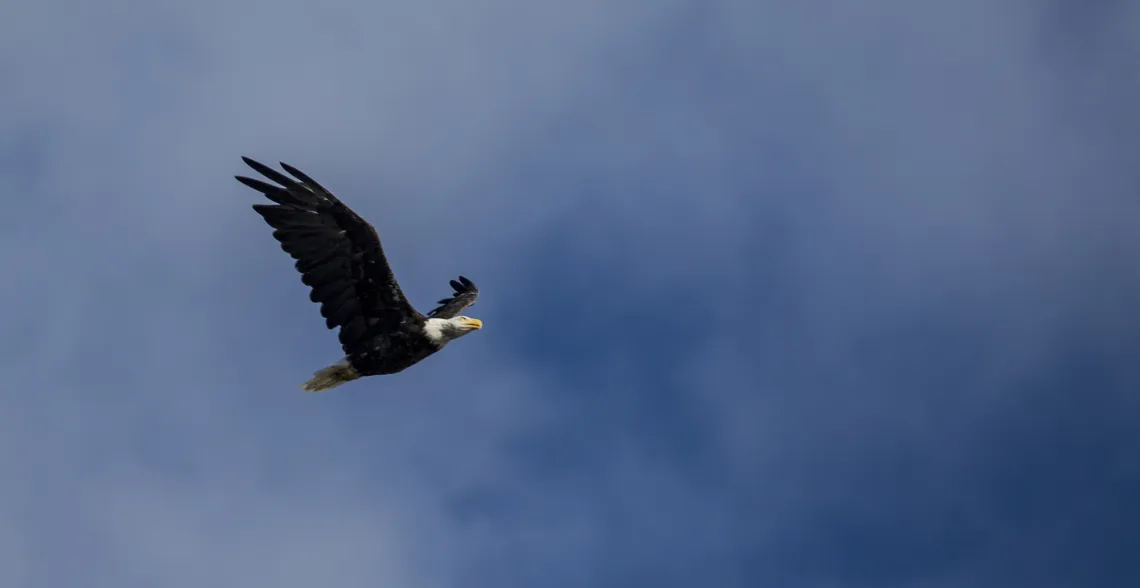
<point x="331" y="377"/>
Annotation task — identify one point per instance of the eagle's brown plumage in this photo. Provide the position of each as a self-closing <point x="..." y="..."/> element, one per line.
<point x="340" y="258"/>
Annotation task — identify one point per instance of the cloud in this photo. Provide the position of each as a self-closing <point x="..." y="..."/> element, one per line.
<point x="825" y="295"/>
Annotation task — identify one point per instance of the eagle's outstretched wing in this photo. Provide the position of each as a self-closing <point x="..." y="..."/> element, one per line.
<point x="465" y="295"/>
<point x="338" y="253"/>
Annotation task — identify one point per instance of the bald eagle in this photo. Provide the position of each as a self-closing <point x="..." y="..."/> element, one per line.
<point x="340" y="258"/>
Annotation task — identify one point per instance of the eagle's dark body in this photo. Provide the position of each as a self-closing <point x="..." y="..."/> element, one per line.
<point x="340" y="258"/>
<point x="390" y="352"/>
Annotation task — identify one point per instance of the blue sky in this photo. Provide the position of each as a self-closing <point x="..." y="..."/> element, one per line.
<point x="776" y="293"/>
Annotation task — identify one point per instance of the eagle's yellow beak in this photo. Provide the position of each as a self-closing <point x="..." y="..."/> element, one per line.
<point x="473" y="323"/>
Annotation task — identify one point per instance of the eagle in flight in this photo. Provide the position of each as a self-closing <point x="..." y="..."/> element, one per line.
<point x="340" y="258"/>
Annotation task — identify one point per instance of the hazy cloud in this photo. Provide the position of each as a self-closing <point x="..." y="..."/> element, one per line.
<point x="808" y="294"/>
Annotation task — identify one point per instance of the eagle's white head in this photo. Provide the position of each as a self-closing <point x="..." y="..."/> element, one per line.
<point x="441" y="331"/>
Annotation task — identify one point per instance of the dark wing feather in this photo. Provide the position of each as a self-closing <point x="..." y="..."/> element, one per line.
<point x="465" y="295"/>
<point x="338" y="253"/>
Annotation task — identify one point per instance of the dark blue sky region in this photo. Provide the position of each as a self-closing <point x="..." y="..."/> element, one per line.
<point x="822" y="295"/>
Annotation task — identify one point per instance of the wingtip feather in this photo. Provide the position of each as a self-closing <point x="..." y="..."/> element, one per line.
<point x="304" y="178"/>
